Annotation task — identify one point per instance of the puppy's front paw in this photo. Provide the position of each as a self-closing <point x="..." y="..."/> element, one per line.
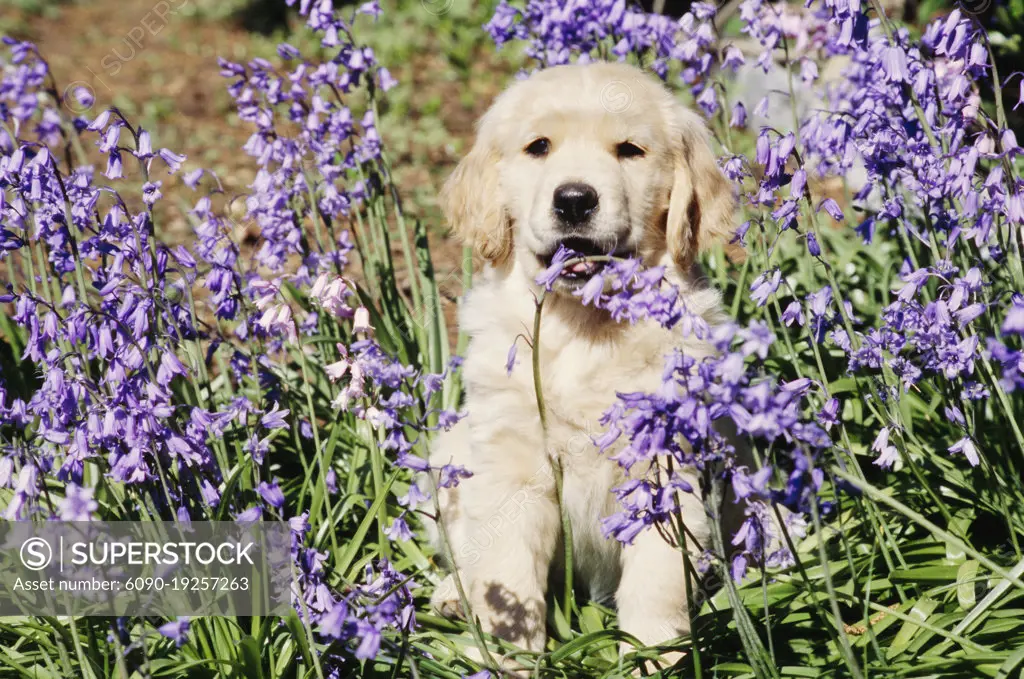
<point x="665" y="661"/>
<point x="652" y="631"/>
<point x="445" y="599"/>
<point x="507" y="666"/>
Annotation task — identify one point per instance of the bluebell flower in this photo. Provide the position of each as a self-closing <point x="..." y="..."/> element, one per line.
<point x="793" y="314"/>
<point x="510" y="362"/>
<point x="176" y="630"/>
<point x="399" y="530"/>
<point x="887" y="453"/>
<point x="77" y="504"/>
<point x="271" y="494"/>
<point x="764" y="286"/>
<point x="1013" y="322"/>
<point x="966" y="447"/>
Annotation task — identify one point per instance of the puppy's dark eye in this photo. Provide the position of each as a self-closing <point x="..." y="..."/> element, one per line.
<point x="628" y="149"/>
<point x="538" y="148"/>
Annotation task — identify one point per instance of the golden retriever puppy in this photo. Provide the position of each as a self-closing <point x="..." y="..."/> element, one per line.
<point x="603" y="159"/>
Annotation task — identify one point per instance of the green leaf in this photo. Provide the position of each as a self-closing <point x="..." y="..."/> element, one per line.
<point x="249" y="652"/>
<point x="1015" y="660"/>
<point x="908" y="630"/>
<point x="582" y="642"/>
<point x="926" y="574"/>
<point x="563" y="628"/>
<point x="590" y="620"/>
<point x="355" y="543"/>
<point x="966" y="581"/>
<point x="298" y="634"/>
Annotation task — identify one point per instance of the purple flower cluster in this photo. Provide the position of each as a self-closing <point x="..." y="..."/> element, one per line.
<point x="320" y="165"/>
<point x="383" y="601"/>
<point x="104" y="313"/>
<point x="681" y="426"/>
<point x="166" y="369"/>
<point x="316" y="160"/>
<point x="933" y="176"/>
<point x="625" y="288"/>
<point x="939" y="176"/>
<point x="614" y="29"/>
<point x="658" y="436"/>
<point x="360" y="616"/>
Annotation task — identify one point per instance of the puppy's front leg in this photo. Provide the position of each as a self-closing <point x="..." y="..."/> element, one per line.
<point x="652" y="592"/>
<point x="651" y="597"/>
<point x="512" y="527"/>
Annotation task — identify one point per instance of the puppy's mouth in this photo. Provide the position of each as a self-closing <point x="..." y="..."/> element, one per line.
<point x="577" y="273"/>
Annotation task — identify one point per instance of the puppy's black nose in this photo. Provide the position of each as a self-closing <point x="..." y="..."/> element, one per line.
<point x="575" y="202"/>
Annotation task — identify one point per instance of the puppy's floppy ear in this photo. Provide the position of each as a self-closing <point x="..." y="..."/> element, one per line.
<point x="472" y="203"/>
<point x="701" y="206"/>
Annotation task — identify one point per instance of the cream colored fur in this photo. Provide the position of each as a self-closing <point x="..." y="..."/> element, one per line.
<point x="504" y="521"/>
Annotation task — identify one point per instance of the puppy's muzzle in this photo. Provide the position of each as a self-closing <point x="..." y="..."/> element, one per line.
<point x="573" y="276"/>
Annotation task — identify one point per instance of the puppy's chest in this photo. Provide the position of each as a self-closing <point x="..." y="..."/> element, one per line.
<point x="581" y="380"/>
<point x="580" y="383"/>
<point x="580" y="374"/>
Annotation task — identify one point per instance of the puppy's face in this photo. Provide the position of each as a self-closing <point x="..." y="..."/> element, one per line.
<point x="599" y="158"/>
<point x="575" y="170"/>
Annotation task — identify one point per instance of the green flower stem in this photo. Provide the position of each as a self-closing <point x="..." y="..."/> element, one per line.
<point x="377" y="471"/>
<point x="307" y="628"/>
<point x="884" y="540"/>
<point x="403" y="233"/>
<point x="690" y="576"/>
<point x="72" y="235"/>
<point x="199" y="364"/>
<point x="740" y="285"/>
<point x="556" y="465"/>
<point x="934" y="529"/>
<point x="757" y="655"/>
<point x="844" y="640"/>
<point x="806" y="579"/>
<point x="304" y="366"/>
<point x="449" y="554"/>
